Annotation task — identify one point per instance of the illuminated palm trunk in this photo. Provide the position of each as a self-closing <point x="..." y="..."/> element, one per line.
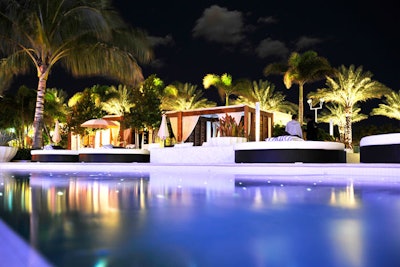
<point x="301" y="104"/>
<point x="38" y="117"/>
<point x="348" y="139"/>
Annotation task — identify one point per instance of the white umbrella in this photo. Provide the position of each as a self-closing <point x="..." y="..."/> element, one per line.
<point x="99" y="124"/>
<point x="56" y="138"/>
<point x="163" y="130"/>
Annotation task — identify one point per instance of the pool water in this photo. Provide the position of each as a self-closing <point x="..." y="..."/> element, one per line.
<point x="193" y="220"/>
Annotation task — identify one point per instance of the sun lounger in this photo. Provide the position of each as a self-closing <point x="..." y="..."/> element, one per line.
<point x="380" y="148"/>
<point x="113" y="155"/>
<point x="290" y="152"/>
<point x="54" y="155"/>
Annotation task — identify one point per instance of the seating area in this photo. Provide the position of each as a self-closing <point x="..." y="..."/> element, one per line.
<point x="114" y="155"/>
<point x="54" y="155"/>
<point x="91" y="155"/>
<point x="381" y="148"/>
<point x="290" y="152"/>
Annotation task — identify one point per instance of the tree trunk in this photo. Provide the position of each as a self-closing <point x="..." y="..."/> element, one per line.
<point x="348" y="138"/>
<point x="301" y="104"/>
<point x="38" y="118"/>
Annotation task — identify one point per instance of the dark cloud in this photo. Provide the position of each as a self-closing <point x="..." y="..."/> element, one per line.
<point x="305" y="42"/>
<point x="272" y="48"/>
<point x="161" y="41"/>
<point x="218" y="24"/>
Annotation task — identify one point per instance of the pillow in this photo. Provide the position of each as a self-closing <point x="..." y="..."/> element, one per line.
<point x="48" y="147"/>
<point x="109" y="146"/>
<point x="284" y="138"/>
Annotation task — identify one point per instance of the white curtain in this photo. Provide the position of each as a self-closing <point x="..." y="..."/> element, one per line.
<point x="188" y="124"/>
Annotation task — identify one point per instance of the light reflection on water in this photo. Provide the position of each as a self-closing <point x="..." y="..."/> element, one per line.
<point x="170" y="219"/>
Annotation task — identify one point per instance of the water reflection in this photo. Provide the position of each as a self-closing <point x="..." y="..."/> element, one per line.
<point x="202" y="219"/>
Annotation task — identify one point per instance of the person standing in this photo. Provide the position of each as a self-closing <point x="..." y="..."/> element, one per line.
<point x="293" y="127"/>
<point x="312" y="129"/>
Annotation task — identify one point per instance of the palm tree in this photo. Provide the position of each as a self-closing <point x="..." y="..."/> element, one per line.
<point x="337" y="115"/>
<point x="224" y="84"/>
<point x="391" y="106"/>
<point x="84" y="106"/>
<point x="269" y="99"/>
<point x="301" y="69"/>
<point x="121" y="101"/>
<point x="55" y="108"/>
<point x="186" y="96"/>
<point x="349" y="87"/>
<point x="85" y="37"/>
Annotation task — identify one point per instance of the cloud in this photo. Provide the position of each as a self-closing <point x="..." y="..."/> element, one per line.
<point x="272" y="48"/>
<point x="267" y="20"/>
<point x="157" y="63"/>
<point x="220" y="25"/>
<point x="160" y="41"/>
<point x="307" y="42"/>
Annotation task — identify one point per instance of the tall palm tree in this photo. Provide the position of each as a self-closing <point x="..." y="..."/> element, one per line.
<point x="269" y="99"/>
<point x="349" y="87"/>
<point x="301" y="69"/>
<point x="225" y="85"/>
<point x="186" y="97"/>
<point x="391" y="106"/>
<point x="85" y="37"/>
<point x="336" y="113"/>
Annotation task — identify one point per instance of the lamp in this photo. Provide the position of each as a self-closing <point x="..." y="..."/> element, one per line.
<point x="321" y="102"/>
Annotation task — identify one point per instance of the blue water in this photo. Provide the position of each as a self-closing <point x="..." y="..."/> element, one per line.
<point x="156" y="219"/>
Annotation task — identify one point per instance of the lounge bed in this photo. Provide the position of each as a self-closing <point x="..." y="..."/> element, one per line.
<point x="54" y="155"/>
<point x="290" y="152"/>
<point x="381" y="148"/>
<point x="113" y="155"/>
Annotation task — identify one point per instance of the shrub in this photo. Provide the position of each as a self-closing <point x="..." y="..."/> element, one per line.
<point x="229" y="127"/>
<point x="6" y="137"/>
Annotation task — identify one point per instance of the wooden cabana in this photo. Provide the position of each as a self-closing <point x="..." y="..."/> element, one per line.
<point x="184" y="122"/>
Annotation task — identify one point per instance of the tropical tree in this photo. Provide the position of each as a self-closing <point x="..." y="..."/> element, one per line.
<point x="301" y="69"/>
<point x="269" y="99"/>
<point x="226" y="87"/>
<point x="85" y="37"/>
<point x="82" y="107"/>
<point x="146" y="112"/>
<point x="336" y="113"/>
<point x="55" y="108"/>
<point x="186" y="96"/>
<point x="391" y="106"/>
<point x="349" y="87"/>
<point x="121" y="101"/>
<point x="16" y="111"/>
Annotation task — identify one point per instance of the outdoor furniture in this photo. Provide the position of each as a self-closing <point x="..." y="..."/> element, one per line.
<point x="290" y="152"/>
<point x="380" y="148"/>
<point x="54" y="155"/>
<point x="113" y="155"/>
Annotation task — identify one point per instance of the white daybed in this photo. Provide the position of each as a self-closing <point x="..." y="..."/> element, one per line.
<point x="54" y="155"/>
<point x="380" y="148"/>
<point x="113" y="155"/>
<point x="290" y="152"/>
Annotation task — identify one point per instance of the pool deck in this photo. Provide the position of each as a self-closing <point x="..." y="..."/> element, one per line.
<point x="15" y="252"/>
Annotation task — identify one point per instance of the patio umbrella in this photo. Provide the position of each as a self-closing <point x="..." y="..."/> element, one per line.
<point x="163" y="130"/>
<point x="99" y="124"/>
<point x="56" y="138"/>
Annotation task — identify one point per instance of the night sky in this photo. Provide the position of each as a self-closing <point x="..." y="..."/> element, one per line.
<point x="194" y="38"/>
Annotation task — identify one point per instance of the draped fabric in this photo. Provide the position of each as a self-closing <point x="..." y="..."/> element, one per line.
<point x="188" y="124"/>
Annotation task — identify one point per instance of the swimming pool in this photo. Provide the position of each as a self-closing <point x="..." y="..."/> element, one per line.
<point x="158" y="218"/>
